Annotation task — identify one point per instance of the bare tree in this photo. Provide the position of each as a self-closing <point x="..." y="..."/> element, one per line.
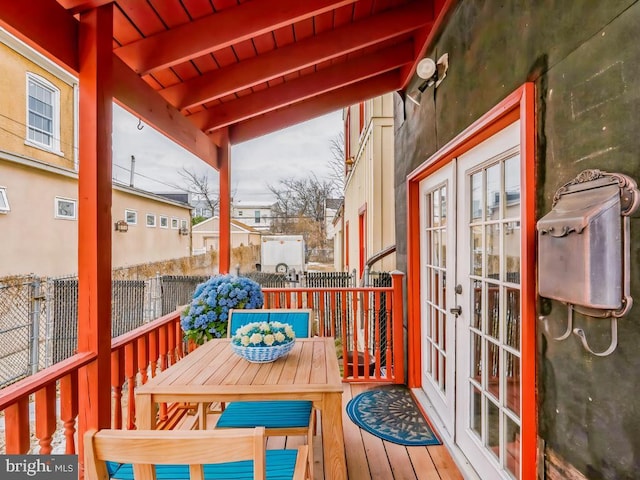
<point x="199" y="187"/>
<point x="300" y="207"/>
<point x="337" y="162"/>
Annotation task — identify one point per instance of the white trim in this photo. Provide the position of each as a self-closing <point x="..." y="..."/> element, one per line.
<point x="5" y="200"/>
<point x="128" y="211"/>
<point x="55" y="114"/>
<point x="56" y="208"/>
<point x="148" y="217"/>
<point x="29" y="53"/>
<point x="177" y="222"/>
<point x="166" y="221"/>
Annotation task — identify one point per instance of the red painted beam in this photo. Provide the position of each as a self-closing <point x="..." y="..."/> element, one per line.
<point x="224" y="223"/>
<point x="303" y="88"/>
<point x="44" y="25"/>
<point x="294" y="57"/>
<point x="77" y="6"/>
<point x="135" y="95"/>
<point x="319" y="105"/>
<point x="218" y="31"/>
<point x="94" y="217"/>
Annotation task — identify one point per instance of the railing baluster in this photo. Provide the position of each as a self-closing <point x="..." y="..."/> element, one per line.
<point x="153" y="351"/>
<point x="69" y="409"/>
<point x="130" y="373"/>
<point x="142" y="359"/>
<point x="45" y="417"/>
<point x="376" y="333"/>
<point x="171" y="339"/>
<point x="17" y="428"/>
<point x="163" y="348"/>
<point x="179" y="339"/>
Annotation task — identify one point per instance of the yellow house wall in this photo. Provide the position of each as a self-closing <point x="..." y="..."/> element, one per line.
<point x="370" y="183"/>
<point x="13" y="98"/>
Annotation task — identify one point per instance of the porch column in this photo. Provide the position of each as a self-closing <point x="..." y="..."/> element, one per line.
<point x="224" y="251"/>
<point x="95" y="51"/>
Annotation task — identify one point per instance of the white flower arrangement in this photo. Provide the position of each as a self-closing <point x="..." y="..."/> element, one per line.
<point x="263" y="334"/>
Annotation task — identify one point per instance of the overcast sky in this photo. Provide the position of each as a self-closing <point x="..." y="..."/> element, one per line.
<point x="294" y="152"/>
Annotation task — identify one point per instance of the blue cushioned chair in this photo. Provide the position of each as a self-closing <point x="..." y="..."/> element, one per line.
<point x="238" y="454"/>
<point x="281" y="417"/>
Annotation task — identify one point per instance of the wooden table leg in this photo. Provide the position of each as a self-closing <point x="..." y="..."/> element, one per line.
<point x="335" y="466"/>
<point x="145" y="413"/>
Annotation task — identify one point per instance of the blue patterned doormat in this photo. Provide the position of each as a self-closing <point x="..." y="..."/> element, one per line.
<point x="391" y="414"/>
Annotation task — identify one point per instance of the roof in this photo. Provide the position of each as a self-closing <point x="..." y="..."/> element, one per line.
<point x="204" y="72"/>
<point x="333" y="203"/>
<point x="212" y="225"/>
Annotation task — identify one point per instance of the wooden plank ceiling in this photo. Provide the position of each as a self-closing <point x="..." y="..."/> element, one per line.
<point x="249" y="66"/>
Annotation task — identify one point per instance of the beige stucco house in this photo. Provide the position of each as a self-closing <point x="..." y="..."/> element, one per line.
<point x="39" y="178"/>
<point x="365" y="226"/>
<point x="206" y="235"/>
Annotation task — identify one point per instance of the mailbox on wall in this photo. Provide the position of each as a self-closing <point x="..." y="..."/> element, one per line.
<point x="583" y="248"/>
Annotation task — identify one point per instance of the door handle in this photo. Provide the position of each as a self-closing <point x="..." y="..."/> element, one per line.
<point x="456" y="310"/>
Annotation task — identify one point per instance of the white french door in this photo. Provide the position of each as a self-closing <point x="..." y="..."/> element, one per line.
<point x="437" y="261"/>
<point x="470" y="302"/>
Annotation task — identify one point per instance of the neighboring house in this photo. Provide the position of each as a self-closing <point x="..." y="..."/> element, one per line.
<point x="39" y="178"/>
<point x="369" y="206"/>
<point x="331" y="206"/>
<point x="206" y="235"/>
<point x="255" y="214"/>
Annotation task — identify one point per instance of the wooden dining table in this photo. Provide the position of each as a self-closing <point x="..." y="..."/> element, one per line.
<point x="214" y="373"/>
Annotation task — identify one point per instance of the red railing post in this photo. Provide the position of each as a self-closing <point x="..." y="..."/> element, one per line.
<point x="397" y="313"/>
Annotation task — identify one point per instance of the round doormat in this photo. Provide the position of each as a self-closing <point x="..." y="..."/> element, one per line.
<point x="391" y="414"/>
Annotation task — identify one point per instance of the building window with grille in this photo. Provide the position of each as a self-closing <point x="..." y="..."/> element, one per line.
<point x="4" y="201"/>
<point x="43" y="114"/>
<point x="257" y="216"/>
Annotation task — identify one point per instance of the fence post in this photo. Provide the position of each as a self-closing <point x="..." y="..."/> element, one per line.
<point x="35" y="325"/>
<point x="398" y="331"/>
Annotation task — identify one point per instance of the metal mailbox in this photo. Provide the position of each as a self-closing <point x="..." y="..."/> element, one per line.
<point x="580" y="248"/>
<point x="583" y="250"/>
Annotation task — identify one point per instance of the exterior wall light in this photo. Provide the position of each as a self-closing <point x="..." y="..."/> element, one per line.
<point x="122" y="226"/>
<point x="432" y="73"/>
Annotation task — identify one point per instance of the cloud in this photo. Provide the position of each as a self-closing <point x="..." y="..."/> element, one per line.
<point x="293" y="152"/>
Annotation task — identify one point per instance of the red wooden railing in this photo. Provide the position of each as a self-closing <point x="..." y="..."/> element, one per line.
<point x="134" y="356"/>
<point x="366" y="322"/>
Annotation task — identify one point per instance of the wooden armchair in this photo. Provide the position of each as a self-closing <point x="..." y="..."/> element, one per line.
<point x="189" y="454"/>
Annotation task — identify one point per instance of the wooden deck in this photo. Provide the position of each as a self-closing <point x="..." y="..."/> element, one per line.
<point x="369" y="457"/>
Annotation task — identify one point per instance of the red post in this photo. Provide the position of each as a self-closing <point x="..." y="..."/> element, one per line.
<point x="224" y="259"/>
<point x="397" y="313"/>
<point x="95" y="54"/>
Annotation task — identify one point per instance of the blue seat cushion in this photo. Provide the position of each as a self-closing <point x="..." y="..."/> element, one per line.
<point x="268" y="414"/>
<point x="280" y="466"/>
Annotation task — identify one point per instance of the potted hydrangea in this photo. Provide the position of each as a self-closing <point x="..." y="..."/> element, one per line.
<point x="207" y="315"/>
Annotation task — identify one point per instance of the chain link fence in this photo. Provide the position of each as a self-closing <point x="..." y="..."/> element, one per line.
<point x="39" y="316"/>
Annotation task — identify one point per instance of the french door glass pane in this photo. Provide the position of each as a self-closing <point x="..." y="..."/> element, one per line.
<point x="494" y="322"/>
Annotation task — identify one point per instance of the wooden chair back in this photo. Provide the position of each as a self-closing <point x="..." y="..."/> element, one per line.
<point x="149" y="450"/>
<point x="299" y="319"/>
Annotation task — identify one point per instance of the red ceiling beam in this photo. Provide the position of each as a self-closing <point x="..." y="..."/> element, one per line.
<point x="44" y="25"/>
<point x="305" y="87"/>
<point x="218" y="31"/>
<point x="135" y="95"/>
<point x="77" y="6"/>
<point x="294" y="57"/>
<point x="315" y="107"/>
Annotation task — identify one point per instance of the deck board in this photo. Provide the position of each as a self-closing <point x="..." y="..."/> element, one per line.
<point x="369" y="457"/>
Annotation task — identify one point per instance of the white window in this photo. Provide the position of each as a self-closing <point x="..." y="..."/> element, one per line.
<point x="4" y="201"/>
<point x="239" y="213"/>
<point x="174" y="223"/>
<point x="164" y="222"/>
<point x="256" y="216"/>
<point x="43" y="114"/>
<point x="131" y="217"/>
<point x="151" y="220"/>
<point x="183" y="225"/>
<point x="65" y="208"/>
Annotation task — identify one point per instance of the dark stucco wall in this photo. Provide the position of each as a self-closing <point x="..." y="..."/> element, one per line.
<point x="584" y="57"/>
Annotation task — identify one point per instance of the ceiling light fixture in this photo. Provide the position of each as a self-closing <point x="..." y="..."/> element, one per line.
<point x="432" y="73"/>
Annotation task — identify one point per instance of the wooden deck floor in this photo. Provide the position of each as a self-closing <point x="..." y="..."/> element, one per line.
<point x="369" y="457"/>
